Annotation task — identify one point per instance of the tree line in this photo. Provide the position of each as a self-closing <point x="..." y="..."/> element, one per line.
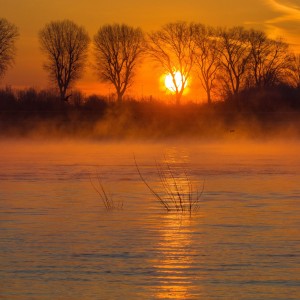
<point x="227" y="61"/>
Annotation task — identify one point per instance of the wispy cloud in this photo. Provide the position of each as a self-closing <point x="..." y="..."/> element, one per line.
<point x="287" y="22"/>
<point x="290" y="11"/>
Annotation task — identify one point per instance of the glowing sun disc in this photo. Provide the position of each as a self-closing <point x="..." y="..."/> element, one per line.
<point x="179" y="78"/>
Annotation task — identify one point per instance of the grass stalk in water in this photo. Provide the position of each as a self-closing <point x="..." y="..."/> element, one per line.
<point x="177" y="191"/>
<point x="104" y="195"/>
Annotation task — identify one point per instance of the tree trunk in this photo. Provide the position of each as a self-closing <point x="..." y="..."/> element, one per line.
<point x="119" y="97"/>
<point x="63" y="93"/>
<point x="178" y="96"/>
<point x="208" y="98"/>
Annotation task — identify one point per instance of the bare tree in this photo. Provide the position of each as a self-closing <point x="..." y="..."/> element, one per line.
<point x="118" y="49"/>
<point x="295" y="71"/>
<point x="270" y="61"/>
<point x="65" y="45"/>
<point x="8" y="35"/>
<point x="235" y="55"/>
<point x="207" y="58"/>
<point x="173" y="47"/>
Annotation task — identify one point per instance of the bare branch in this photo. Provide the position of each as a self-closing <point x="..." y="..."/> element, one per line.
<point x="235" y="56"/>
<point x="8" y="35"/>
<point x="207" y="58"/>
<point x="270" y="60"/>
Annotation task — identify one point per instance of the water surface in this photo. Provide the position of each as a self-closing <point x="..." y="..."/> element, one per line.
<point x="57" y="240"/>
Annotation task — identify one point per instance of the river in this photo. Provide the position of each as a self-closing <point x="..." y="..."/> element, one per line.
<point x="58" y="241"/>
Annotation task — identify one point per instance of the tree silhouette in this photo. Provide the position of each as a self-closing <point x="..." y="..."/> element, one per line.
<point x="118" y="49"/>
<point x="207" y="58"/>
<point x="270" y="60"/>
<point x="173" y="47"/>
<point x="295" y="71"/>
<point x="235" y="55"/>
<point x="8" y="36"/>
<point x="65" y="45"/>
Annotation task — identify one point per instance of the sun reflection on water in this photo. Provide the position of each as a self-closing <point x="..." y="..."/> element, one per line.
<point x="177" y="254"/>
<point x="175" y="243"/>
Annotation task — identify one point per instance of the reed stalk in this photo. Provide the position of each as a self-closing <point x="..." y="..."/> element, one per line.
<point x="177" y="193"/>
<point x="104" y="195"/>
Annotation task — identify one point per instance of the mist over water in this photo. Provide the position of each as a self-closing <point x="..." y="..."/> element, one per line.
<point x="58" y="241"/>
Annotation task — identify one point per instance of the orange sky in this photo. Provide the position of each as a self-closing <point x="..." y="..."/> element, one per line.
<point x="276" y="17"/>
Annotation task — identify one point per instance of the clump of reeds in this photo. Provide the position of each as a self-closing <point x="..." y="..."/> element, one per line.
<point x="105" y="195"/>
<point x="177" y="191"/>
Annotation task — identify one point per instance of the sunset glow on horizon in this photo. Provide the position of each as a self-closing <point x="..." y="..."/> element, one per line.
<point x="275" y="17"/>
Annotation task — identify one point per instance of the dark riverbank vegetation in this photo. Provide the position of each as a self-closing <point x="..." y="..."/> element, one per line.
<point x="253" y="113"/>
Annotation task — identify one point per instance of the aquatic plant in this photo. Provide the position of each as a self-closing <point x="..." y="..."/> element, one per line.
<point x="105" y="195"/>
<point x="177" y="191"/>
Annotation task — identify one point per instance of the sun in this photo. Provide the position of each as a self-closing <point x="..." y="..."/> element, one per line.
<point x="179" y="79"/>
